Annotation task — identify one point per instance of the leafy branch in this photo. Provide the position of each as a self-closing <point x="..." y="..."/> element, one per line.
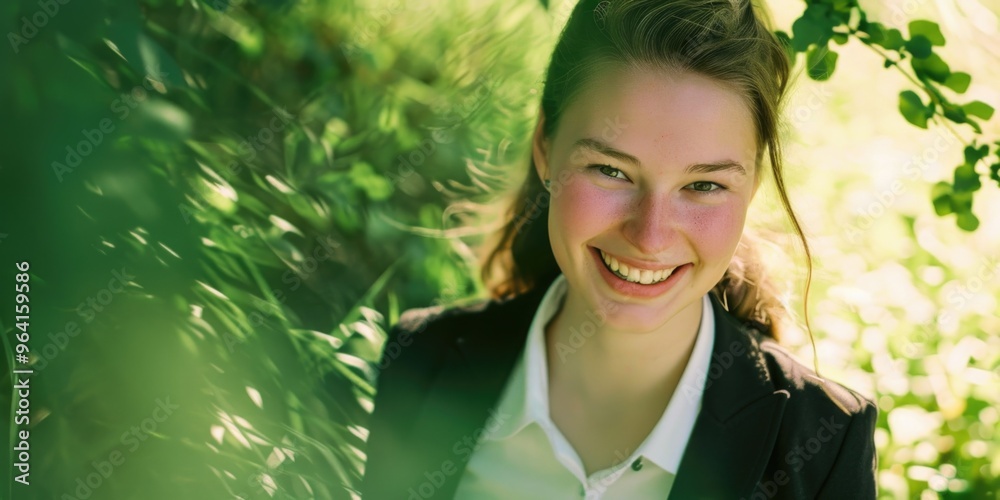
<point x="824" y="21"/>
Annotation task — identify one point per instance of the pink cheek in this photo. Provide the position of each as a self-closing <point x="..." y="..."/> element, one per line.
<point x="583" y="209"/>
<point x="715" y="228"/>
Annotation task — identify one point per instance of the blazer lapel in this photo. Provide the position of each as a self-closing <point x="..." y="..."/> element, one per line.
<point x="738" y="423"/>
<point x="460" y="403"/>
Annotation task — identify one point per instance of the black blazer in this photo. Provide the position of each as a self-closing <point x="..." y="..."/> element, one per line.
<point x="768" y="427"/>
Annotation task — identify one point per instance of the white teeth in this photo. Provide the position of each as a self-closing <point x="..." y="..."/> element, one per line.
<point x="645" y="277"/>
<point x="634" y="274"/>
<point x="642" y="276"/>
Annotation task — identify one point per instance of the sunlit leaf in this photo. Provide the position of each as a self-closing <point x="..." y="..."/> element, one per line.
<point x="979" y="109"/>
<point x="927" y="29"/>
<point x="913" y="108"/>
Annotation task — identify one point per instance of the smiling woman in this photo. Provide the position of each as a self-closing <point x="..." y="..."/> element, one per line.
<point x="630" y="347"/>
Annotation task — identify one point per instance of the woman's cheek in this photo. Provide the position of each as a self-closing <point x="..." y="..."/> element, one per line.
<point x="582" y="208"/>
<point x="716" y="228"/>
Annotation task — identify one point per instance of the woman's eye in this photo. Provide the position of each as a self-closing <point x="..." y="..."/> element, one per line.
<point x="705" y="186"/>
<point x="609" y="171"/>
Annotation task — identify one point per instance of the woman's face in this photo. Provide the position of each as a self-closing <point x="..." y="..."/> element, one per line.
<point x="654" y="170"/>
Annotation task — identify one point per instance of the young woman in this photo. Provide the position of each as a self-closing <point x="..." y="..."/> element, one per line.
<point x="630" y="349"/>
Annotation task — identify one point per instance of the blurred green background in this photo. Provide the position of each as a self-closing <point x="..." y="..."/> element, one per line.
<point x="225" y="203"/>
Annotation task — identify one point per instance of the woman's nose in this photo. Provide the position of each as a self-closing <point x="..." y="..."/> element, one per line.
<point x="652" y="224"/>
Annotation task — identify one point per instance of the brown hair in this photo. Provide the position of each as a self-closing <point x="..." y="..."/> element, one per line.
<point x="729" y="41"/>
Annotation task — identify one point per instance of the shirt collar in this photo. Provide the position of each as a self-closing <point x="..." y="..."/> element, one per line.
<point x="526" y="400"/>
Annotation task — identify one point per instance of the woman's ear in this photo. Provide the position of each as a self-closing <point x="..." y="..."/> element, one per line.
<point x="540" y="148"/>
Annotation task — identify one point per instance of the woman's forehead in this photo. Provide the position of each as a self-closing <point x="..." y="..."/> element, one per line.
<point x="657" y="115"/>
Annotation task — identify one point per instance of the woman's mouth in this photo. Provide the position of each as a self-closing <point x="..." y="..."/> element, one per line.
<point x="633" y="274"/>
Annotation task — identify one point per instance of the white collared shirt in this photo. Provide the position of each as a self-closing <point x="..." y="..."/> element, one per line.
<point x="526" y="456"/>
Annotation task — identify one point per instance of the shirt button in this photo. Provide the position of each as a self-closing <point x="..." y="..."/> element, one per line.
<point x="637" y="464"/>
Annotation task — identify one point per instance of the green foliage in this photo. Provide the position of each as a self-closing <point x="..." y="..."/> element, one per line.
<point x="913" y="109"/>
<point x="825" y="20"/>
<point x="276" y="181"/>
<point x="270" y="177"/>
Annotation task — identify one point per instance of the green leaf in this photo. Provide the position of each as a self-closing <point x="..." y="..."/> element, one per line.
<point x="820" y="62"/>
<point x="975" y="126"/>
<point x="893" y="39"/>
<point x="929" y="30"/>
<point x="954" y="113"/>
<point x="974" y="154"/>
<point x="889" y="38"/>
<point x="919" y="46"/>
<point x="913" y="109"/>
<point x="813" y="28"/>
<point x="840" y="38"/>
<point x="875" y="31"/>
<point x="967" y="221"/>
<point x="958" y="81"/>
<point x="995" y="172"/>
<point x="842" y="6"/>
<point x="351" y="144"/>
<point x="376" y="187"/>
<point x="932" y="67"/>
<point x="979" y="109"/>
<point x="961" y="201"/>
<point x="966" y="179"/>
<point x="941" y="196"/>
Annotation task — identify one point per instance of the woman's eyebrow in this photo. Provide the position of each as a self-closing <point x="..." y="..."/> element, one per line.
<point x="704" y="168"/>
<point x="695" y="168"/>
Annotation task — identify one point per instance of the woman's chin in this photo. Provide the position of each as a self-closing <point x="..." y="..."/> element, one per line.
<point x="647" y="318"/>
<point x="631" y="319"/>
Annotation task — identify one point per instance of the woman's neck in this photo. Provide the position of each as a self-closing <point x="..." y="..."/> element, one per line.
<point x="618" y="366"/>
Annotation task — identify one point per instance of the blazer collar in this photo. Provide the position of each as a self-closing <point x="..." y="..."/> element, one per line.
<point x="461" y="400"/>
<point x="739" y="420"/>
<point x="725" y="456"/>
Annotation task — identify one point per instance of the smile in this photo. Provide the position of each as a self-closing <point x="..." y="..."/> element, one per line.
<point x="634" y="274"/>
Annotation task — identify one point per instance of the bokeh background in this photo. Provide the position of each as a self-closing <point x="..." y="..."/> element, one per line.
<point x="225" y="204"/>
